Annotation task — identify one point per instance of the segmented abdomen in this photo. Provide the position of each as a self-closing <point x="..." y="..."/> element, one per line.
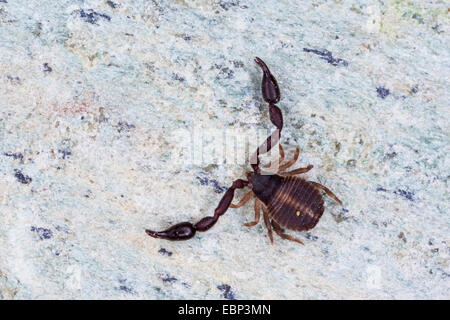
<point x="297" y="205"/>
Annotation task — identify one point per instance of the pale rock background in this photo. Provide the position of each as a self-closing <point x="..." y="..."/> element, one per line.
<point x="93" y="92"/>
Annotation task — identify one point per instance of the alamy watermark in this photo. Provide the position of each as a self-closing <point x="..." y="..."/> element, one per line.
<point x="234" y="147"/>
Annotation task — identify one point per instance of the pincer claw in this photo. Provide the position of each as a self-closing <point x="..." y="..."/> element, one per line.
<point x="269" y="85"/>
<point x="180" y="231"/>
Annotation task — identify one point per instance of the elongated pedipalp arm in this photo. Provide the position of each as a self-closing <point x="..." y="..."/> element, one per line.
<point x="186" y="230"/>
<point x="271" y="94"/>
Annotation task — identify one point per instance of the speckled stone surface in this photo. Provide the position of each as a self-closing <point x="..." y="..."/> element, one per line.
<point x="91" y="93"/>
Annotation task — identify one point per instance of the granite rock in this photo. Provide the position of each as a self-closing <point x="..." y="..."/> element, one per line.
<point x="95" y="96"/>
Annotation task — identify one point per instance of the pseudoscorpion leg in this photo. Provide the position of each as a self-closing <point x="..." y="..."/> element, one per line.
<point x="283" y="235"/>
<point x="267" y="223"/>
<point x="257" y="214"/>
<point x="243" y="201"/>
<point x="327" y="191"/>
<point x="298" y="171"/>
<point x="292" y="161"/>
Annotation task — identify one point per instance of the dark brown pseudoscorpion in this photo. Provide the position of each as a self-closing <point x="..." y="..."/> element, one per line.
<point x="287" y="201"/>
